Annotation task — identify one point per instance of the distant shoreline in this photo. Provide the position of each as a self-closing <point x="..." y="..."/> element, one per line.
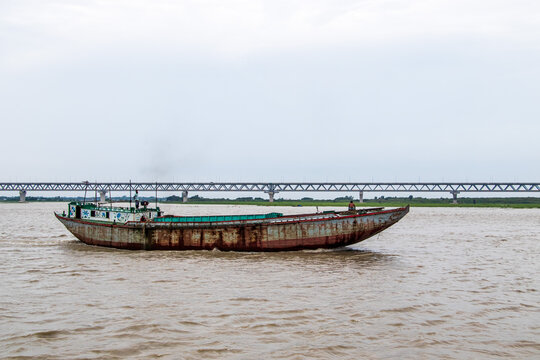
<point x="518" y="203"/>
<point x="323" y="203"/>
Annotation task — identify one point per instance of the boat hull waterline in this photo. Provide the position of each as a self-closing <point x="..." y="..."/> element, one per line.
<point x="297" y="232"/>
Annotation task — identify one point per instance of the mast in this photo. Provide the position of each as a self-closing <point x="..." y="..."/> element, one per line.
<point x="85" y="189"/>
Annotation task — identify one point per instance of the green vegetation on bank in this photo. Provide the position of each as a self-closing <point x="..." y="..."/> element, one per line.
<point x="517" y="202"/>
<point x="509" y="202"/>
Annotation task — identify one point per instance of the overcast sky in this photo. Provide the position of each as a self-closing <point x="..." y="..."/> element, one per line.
<point x="314" y="90"/>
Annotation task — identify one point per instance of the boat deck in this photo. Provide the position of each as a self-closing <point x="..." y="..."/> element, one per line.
<point x="271" y="218"/>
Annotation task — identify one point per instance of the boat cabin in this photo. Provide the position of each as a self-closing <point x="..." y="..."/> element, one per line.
<point x="111" y="214"/>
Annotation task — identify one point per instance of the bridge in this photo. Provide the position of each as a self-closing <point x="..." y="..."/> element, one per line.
<point x="271" y="188"/>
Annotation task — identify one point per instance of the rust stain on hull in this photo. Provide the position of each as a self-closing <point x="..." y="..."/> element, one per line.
<point x="286" y="235"/>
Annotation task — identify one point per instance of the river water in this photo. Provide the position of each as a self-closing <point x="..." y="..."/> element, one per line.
<point x="443" y="283"/>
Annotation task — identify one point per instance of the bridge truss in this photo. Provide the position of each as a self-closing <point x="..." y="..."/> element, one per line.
<point x="273" y="187"/>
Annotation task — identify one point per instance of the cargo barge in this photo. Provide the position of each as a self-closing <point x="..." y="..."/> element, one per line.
<point x="148" y="229"/>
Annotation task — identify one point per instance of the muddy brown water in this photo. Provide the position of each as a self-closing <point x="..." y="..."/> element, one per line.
<point x="443" y="283"/>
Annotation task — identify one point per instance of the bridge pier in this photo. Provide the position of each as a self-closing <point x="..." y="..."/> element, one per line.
<point x="454" y="196"/>
<point x="184" y="196"/>
<point x="271" y="192"/>
<point x="22" y="196"/>
<point x="102" y="196"/>
<point x="361" y="197"/>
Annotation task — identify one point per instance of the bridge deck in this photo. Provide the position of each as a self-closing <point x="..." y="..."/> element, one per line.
<point x="273" y="187"/>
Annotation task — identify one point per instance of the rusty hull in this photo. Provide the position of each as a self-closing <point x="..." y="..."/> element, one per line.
<point x="287" y="233"/>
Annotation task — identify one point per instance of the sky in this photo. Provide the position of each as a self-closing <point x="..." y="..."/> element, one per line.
<point x="298" y="90"/>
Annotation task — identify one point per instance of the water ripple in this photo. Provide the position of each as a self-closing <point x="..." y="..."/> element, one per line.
<point x="441" y="284"/>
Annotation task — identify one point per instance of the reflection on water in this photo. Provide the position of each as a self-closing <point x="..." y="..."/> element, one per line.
<point x="442" y="283"/>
